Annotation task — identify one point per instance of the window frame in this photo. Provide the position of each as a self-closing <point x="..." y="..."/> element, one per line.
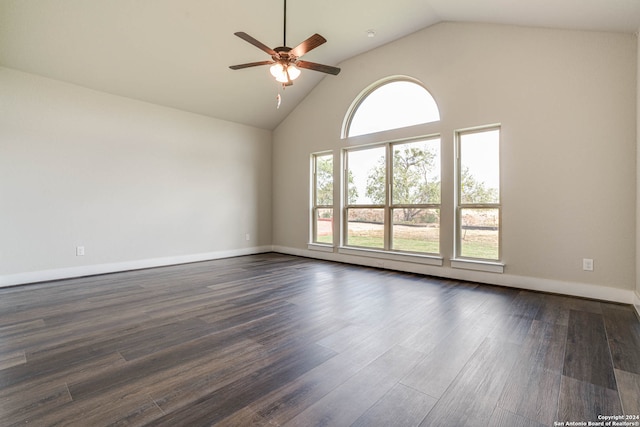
<point x="388" y="206"/>
<point x="362" y="97"/>
<point x="345" y="202"/>
<point x="459" y="260"/>
<point x="315" y="206"/>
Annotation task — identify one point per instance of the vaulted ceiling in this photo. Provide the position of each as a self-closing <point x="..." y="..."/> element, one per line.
<point x="176" y="53"/>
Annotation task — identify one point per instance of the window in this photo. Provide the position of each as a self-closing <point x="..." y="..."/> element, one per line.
<point x="394" y="104"/>
<point x="415" y="196"/>
<point x="393" y="196"/>
<point x="322" y="206"/>
<point x="365" y="210"/>
<point x="478" y="194"/>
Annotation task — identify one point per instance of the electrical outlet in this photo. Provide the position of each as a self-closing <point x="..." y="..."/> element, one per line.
<point x="247" y="237"/>
<point x="79" y="250"/>
<point x="587" y="264"/>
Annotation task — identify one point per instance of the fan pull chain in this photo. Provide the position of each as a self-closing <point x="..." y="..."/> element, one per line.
<point x="279" y="100"/>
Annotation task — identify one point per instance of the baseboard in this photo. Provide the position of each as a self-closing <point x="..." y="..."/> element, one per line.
<point x="91" y="270"/>
<point x="584" y="290"/>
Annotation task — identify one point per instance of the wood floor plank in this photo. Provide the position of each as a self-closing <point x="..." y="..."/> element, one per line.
<point x="435" y="373"/>
<point x="544" y="346"/>
<point x="532" y="392"/>
<point x="554" y="311"/>
<point x="245" y="417"/>
<point x="20" y="328"/>
<point x="512" y="327"/>
<point x="583" y="401"/>
<point x="556" y="308"/>
<point x="350" y="400"/>
<point x="346" y="337"/>
<point x="235" y="396"/>
<point x="526" y="304"/>
<point x="503" y="418"/>
<point x="624" y="337"/>
<point x="68" y="365"/>
<point x="434" y="331"/>
<point x="473" y="396"/>
<point x="629" y="390"/>
<point x="34" y="401"/>
<point x="75" y="372"/>
<point x="124" y="409"/>
<point x="587" y="355"/>
<point x="289" y="400"/>
<point x="400" y="407"/>
<point x="12" y="359"/>
<point x="155" y="364"/>
<point x="187" y="382"/>
<point x="533" y="386"/>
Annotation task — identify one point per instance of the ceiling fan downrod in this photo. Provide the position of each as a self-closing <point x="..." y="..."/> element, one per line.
<point x="284" y="30"/>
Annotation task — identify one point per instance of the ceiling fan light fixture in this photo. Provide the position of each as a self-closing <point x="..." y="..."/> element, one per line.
<point x="279" y="71"/>
<point x="276" y="70"/>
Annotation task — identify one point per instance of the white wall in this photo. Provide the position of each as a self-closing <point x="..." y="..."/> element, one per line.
<point x="134" y="183"/>
<point x="637" y="297"/>
<point x="567" y="104"/>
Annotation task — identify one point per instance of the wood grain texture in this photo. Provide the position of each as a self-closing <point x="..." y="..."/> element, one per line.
<point x="629" y="390"/>
<point x="268" y="340"/>
<point x="588" y="356"/>
<point x="504" y="418"/>
<point x="473" y="396"/>
<point x="347" y="402"/>
<point x="624" y="337"/>
<point x="583" y="401"/>
<point x="533" y="386"/>
<point x="532" y="393"/>
<point x="400" y="407"/>
<point x="437" y="370"/>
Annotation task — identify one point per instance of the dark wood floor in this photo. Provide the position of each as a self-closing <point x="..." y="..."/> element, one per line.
<point x="278" y="340"/>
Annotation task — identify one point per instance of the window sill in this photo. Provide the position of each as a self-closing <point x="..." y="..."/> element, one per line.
<point x="320" y="247"/>
<point x="392" y="256"/>
<point x="488" y="266"/>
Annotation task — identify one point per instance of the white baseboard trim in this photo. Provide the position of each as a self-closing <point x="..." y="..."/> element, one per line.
<point x="585" y="290"/>
<point x="522" y="282"/>
<point x="91" y="270"/>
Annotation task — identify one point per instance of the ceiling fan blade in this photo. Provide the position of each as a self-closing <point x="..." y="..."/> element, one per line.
<point x="246" y="37"/>
<point x="318" y="67"/>
<point x="311" y="43"/>
<point x="251" y="64"/>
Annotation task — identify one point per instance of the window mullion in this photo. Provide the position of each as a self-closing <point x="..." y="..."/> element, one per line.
<point x="388" y="199"/>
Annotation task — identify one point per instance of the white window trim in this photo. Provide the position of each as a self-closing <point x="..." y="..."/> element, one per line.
<point x="313" y="207"/>
<point x="468" y="263"/>
<point x="321" y="247"/>
<point x="353" y="108"/>
<point x="392" y="256"/>
<point x="477" y="265"/>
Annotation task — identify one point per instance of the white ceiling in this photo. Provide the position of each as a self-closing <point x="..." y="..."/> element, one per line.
<point x="177" y="52"/>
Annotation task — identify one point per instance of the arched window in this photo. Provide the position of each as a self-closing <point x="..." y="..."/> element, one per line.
<point x="394" y="103"/>
<point x="392" y="188"/>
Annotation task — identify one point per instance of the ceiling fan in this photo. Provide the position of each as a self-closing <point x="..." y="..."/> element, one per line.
<point x="285" y="61"/>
